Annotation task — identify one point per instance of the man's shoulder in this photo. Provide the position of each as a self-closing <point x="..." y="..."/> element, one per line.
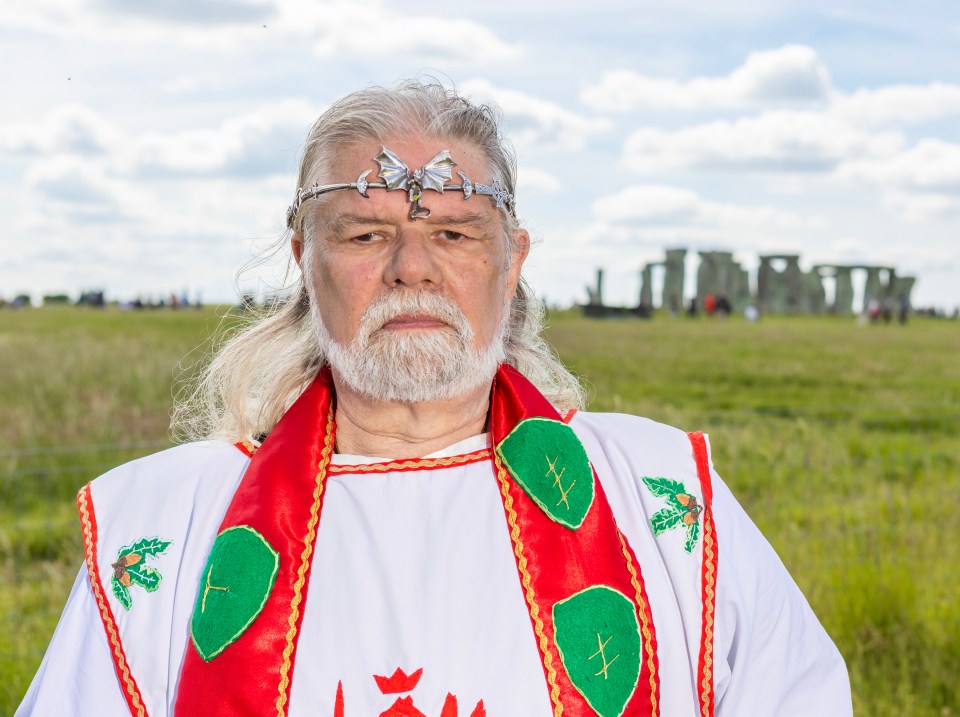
<point x="630" y="432"/>
<point x="188" y="462"/>
<point x="625" y="445"/>
<point x="200" y="475"/>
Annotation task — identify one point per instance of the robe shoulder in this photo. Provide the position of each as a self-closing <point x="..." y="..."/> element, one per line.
<point x="772" y="656"/>
<point x="148" y="526"/>
<point x="202" y="464"/>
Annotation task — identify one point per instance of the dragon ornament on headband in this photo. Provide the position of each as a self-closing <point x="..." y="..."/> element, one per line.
<point x="395" y="174"/>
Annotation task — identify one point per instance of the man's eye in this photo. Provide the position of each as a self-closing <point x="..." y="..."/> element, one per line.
<point x="452" y="236"/>
<point x="365" y="238"/>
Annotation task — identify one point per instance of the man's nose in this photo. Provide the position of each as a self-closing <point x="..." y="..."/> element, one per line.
<point x="413" y="261"/>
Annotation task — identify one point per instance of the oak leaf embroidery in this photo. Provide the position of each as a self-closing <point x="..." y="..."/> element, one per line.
<point x="682" y="510"/>
<point x="130" y="568"/>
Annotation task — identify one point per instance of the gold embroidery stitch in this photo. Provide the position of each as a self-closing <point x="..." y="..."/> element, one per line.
<point x="603" y="657"/>
<point x="206" y="591"/>
<point x="557" y="482"/>
<point x="128" y="682"/>
<point x="644" y="625"/>
<point x="411" y="464"/>
<point x="528" y="589"/>
<point x="304" y="564"/>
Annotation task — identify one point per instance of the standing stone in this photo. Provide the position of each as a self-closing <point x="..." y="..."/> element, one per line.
<point x="843" y="294"/>
<point x="673" y="280"/>
<point x="646" y="285"/>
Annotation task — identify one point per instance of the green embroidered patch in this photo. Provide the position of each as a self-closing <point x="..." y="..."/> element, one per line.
<point x="598" y="637"/>
<point x="548" y="461"/>
<point x="234" y="587"/>
<point x="131" y="569"/>
<point x="682" y="509"/>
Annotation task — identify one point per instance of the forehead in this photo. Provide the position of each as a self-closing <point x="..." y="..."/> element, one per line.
<point x="414" y="150"/>
<point x="356" y="158"/>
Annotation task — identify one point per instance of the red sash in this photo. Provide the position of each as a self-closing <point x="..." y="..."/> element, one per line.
<point x="281" y="498"/>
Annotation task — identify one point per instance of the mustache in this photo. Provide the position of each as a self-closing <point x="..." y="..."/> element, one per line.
<point x="392" y="305"/>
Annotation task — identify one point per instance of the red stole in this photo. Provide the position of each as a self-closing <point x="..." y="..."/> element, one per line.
<point x="281" y="498"/>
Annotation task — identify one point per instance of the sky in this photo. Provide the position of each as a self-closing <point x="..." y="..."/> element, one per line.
<point x="151" y="147"/>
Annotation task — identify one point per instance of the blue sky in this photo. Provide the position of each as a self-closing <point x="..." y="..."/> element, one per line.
<point x="151" y="147"/>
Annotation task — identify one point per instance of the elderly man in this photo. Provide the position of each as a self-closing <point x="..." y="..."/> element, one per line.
<point x="397" y="509"/>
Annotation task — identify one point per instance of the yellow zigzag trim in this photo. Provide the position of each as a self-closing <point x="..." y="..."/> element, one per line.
<point x="410" y="464"/>
<point x="125" y="676"/>
<point x="710" y="576"/>
<point x="308" y="541"/>
<point x="528" y="589"/>
<point x="644" y="626"/>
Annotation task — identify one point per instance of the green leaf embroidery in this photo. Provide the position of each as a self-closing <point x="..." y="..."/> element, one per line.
<point x="693" y="534"/>
<point x="146" y="546"/>
<point x="239" y="576"/>
<point x="682" y="509"/>
<point x="146" y="577"/>
<point x="665" y="519"/>
<point x="547" y="460"/>
<point x="121" y="593"/>
<point x="665" y="488"/>
<point x="131" y="569"/>
<point x="598" y="637"/>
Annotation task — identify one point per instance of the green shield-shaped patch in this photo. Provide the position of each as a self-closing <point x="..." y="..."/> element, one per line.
<point x="548" y="461"/>
<point x="598" y="636"/>
<point x="234" y="587"/>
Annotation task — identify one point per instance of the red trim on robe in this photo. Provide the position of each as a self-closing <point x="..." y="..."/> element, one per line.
<point x="274" y="498"/>
<point x="129" y="687"/>
<point x="252" y="676"/>
<point x="708" y="580"/>
<point x="561" y="562"/>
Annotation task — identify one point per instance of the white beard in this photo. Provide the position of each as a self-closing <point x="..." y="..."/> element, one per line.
<point x="413" y="366"/>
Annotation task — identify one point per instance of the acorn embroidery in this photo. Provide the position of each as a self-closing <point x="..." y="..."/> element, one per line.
<point x="130" y="569"/>
<point x="682" y="509"/>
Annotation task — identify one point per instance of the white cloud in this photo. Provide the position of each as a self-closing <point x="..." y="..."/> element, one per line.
<point x="899" y="104"/>
<point x="792" y="74"/>
<point x="919" y="207"/>
<point x="536" y="121"/>
<point x="376" y="29"/>
<point x="68" y="128"/>
<point x="930" y="164"/>
<point x="532" y="181"/>
<point x="258" y="142"/>
<point x="773" y="141"/>
<point x="80" y="190"/>
<point x="332" y="28"/>
<point x="656" y="204"/>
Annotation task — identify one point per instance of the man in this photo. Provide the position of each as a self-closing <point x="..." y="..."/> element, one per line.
<point x="399" y="510"/>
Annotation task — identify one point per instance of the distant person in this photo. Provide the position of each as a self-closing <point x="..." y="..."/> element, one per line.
<point x="887" y="309"/>
<point x="903" y="310"/>
<point x="692" y="308"/>
<point x="398" y="509"/>
<point x="723" y="307"/>
<point x="709" y="304"/>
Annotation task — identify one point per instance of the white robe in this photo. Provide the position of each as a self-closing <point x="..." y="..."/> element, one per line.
<point x="415" y="570"/>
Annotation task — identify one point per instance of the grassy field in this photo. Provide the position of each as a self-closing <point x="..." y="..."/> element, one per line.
<point x="841" y="442"/>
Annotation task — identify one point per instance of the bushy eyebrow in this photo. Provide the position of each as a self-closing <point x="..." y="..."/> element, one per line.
<point x="352" y="221"/>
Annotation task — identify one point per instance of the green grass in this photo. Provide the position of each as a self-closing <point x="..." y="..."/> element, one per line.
<point x="840" y="441"/>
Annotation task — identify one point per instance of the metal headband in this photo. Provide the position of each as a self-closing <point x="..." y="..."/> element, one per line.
<point x="396" y="175"/>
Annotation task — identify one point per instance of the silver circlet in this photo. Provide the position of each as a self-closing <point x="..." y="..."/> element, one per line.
<point x="395" y="174"/>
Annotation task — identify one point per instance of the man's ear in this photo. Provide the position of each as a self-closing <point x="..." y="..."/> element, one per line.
<point x="296" y="245"/>
<point x="520" y="245"/>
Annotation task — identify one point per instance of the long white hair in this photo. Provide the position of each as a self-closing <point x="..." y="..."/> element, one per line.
<point x="259" y="370"/>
